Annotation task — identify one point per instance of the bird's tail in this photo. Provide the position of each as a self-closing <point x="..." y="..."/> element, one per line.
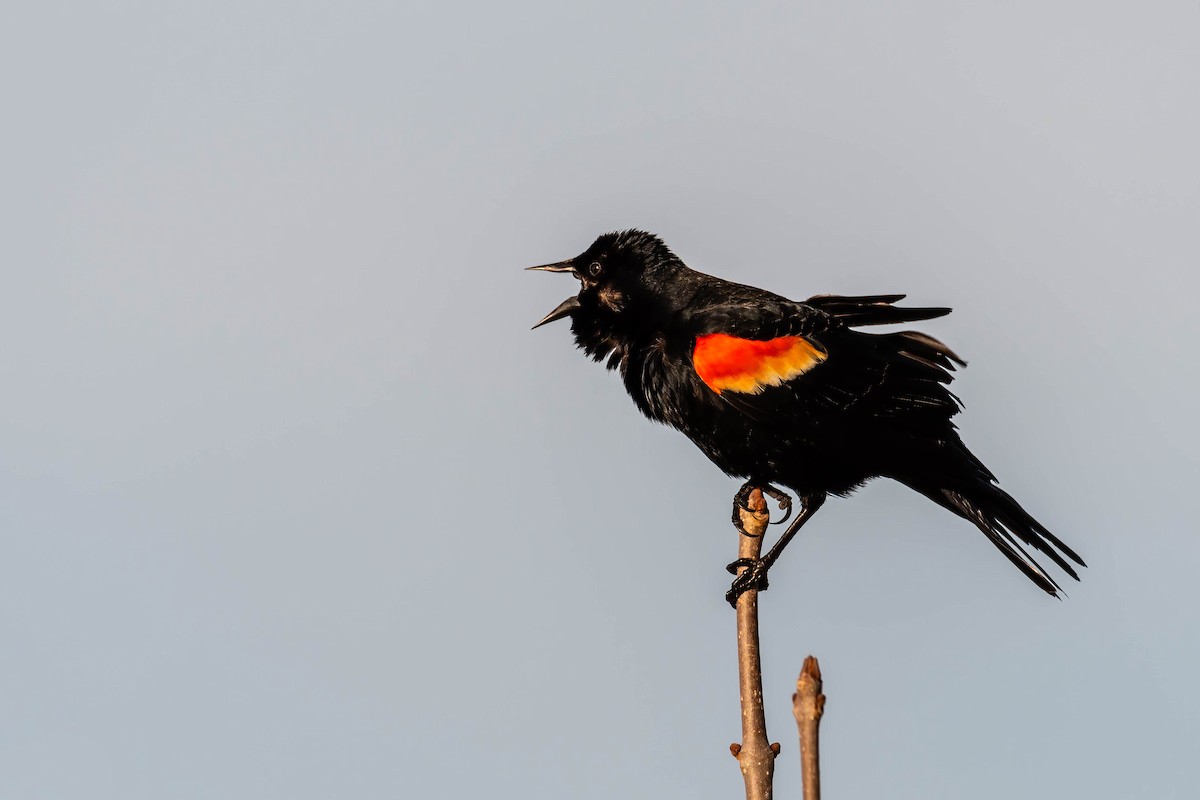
<point x="921" y="365"/>
<point x="1008" y="526"/>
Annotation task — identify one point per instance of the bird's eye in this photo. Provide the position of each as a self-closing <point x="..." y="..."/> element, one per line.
<point x="594" y="269"/>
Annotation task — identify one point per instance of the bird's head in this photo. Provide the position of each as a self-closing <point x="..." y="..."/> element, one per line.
<point x="627" y="281"/>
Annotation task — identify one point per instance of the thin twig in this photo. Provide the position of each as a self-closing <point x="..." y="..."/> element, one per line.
<point x="808" y="704"/>
<point x="755" y="754"/>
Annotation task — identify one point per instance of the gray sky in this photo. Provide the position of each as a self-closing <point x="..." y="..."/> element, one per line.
<point x="295" y="505"/>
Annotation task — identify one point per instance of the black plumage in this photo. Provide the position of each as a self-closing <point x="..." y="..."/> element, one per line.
<point x="790" y="393"/>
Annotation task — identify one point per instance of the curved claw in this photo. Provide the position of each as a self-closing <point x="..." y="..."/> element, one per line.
<point x="733" y="566"/>
<point x="785" y="502"/>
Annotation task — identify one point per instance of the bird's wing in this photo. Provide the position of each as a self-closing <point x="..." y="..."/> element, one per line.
<point x="746" y="347"/>
<point x="744" y="351"/>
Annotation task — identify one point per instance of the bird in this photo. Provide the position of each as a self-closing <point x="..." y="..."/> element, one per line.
<point x="782" y="393"/>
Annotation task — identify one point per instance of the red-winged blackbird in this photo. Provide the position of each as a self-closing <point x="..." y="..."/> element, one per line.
<point x="782" y="392"/>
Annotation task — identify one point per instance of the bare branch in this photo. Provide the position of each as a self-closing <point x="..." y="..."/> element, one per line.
<point x="808" y="704"/>
<point x="755" y="755"/>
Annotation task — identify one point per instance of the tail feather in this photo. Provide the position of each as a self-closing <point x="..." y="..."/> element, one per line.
<point x="1008" y="526"/>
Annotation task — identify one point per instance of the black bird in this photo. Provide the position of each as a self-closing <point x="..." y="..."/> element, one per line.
<point x="782" y="392"/>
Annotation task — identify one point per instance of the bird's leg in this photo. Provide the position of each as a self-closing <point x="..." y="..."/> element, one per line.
<point x="755" y="574"/>
<point x="741" y="502"/>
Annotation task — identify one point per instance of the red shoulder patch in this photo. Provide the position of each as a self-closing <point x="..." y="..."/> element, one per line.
<point x="745" y="365"/>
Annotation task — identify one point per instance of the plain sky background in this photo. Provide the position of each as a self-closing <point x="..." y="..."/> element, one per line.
<point x="294" y="504"/>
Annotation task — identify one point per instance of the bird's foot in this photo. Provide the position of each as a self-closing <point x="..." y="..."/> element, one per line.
<point x="753" y="578"/>
<point x="741" y="502"/>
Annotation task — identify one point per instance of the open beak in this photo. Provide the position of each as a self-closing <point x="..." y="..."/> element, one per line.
<point x="567" y="307"/>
